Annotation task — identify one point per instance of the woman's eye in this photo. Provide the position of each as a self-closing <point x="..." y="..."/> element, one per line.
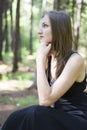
<point x="45" y="25"/>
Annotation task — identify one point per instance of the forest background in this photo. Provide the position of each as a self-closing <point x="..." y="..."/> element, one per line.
<point x="19" y="24"/>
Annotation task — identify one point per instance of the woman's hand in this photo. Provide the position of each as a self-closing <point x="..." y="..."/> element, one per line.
<point x="43" y="52"/>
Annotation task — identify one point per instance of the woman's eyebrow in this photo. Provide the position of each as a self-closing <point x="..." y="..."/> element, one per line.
<point x="44" y="22"/>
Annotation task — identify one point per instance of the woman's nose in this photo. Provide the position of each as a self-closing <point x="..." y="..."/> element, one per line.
<point x="40" y="31"/>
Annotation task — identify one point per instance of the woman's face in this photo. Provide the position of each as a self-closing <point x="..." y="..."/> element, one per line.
<point x="45" y="32"/>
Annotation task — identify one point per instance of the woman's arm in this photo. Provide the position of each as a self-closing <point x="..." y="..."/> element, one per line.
<point x="73" y="71"/>
<point x="42" y="82"/>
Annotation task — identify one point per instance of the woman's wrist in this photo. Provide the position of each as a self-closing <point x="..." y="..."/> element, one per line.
<point x="41" y="62"/>
<point x="41" y="65"/>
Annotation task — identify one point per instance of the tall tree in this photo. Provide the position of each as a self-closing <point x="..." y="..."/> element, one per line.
<point x="61" y="4"/>
<point x="17" y="38"/>
<point x="73" y="10"/>
<point x="7" y="7"/>
<point x="66" y="4"/>
<point x="44" y="5"/>
<point x="6" y="32"/>
<point x="56" y="4"/>
<point x="12" y="31"/>
<point x="1" y="32"/>
<point x="77" y="23"/>
<point x="31" y="29"/>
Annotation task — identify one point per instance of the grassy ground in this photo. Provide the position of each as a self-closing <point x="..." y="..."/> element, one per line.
<point x="14" y="88"/>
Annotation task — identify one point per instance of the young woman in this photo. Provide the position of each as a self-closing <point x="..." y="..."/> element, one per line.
<point x="61" y="81"/>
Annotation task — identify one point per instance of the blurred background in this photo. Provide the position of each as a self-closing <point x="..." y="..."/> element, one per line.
<point x="19" y="24"/>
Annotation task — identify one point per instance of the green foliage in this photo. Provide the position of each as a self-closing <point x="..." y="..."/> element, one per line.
<point x="8" y="57"/>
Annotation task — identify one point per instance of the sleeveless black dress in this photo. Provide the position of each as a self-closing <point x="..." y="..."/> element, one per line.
<point x="68" y="113"/>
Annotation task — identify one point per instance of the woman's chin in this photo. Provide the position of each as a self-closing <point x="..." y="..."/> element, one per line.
<point x="41" y="40"/>
<point x="47" y="42"/>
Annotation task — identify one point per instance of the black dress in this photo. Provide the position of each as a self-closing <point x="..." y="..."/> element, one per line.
<point x="68" y="113"/>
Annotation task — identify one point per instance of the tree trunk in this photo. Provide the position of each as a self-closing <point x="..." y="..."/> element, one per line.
<point x="56" y="4"/>
<point x="61" y="5"/>
<point x="77" y="24"/>
<point x="17" y="38"/>
<point x="31" y="29"/>
<point x="6" y="32"/>
<point x="1" y="32"/>
<point x="11" y="26"/>
<point x="73" y="12"/>
<point x="66" y="4"/>
<point x="44" y="5"/>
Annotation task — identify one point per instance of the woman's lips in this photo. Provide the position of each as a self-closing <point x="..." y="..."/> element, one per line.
<point x="41" y="37"/>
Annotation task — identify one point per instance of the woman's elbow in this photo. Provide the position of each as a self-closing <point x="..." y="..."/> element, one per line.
<point x="45" y="103"/>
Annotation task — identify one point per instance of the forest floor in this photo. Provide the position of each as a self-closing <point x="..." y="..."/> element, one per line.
<point x="9" y="92"/>
<point x="13" y="91"/>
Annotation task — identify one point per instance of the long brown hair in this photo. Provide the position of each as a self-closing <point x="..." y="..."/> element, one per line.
<point x="62" y="37"/>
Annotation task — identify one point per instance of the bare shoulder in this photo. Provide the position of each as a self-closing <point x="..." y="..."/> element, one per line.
<point x="76" y="61"/>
